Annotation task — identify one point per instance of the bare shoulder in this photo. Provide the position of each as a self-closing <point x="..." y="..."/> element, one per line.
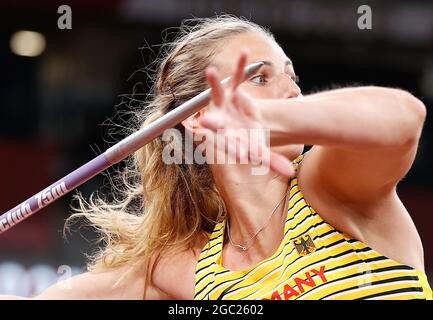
<point x="173" y="277"/>
<point x="174" y="273"/>
<point x="119" y="283"/>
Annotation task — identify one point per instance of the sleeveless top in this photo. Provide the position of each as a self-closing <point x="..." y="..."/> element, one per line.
<point x="314" y="261"/>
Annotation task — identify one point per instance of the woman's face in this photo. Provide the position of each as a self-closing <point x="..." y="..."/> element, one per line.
<point x="275" y="80"/>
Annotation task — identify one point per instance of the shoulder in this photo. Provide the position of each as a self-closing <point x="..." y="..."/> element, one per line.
<point x="120" y="283"/>
<point x="174" y="272"/>
<point x="173" y="277"/>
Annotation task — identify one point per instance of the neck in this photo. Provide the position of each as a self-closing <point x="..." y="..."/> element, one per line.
<point x="250" y="201"/>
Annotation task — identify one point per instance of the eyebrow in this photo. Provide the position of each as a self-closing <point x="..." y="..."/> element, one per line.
<point x="269" y="63"/>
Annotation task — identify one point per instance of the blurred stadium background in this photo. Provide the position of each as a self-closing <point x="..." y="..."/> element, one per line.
<point x="53" y="104"/>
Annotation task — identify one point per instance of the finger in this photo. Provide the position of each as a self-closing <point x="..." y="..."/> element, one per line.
<point x="239" y="73"/>
<point x="217" y="91"/>
<point x="273" y="160"/>
<point x="212" y="120"/>
<point x="244" y="103"/>
<point x="281" y="165"/>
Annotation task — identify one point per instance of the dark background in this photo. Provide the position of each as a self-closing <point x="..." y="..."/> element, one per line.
<point x="53" y="107"/>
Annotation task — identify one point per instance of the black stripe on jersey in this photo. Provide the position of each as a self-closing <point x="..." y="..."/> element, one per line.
<point x="292" y="205"/>
<point x="208" y="249"/>
<point x="217" y="230"/>
<point x="375" y="258"/>
<point x="303" y="220"/>
<point x="207" y="266"/>
<point x="400" y="278"/>
<point x="373" y="272"/>
<point x="216" y="237"/>
<point x="213" y="273"/>
<point x="297" y="213"/>
<point x="288" y="220"/>
<point x="207" y="256"/>
<point x="294" y="195"/>
<point x="321" y="235"/>
<point x="372" y="284"/>
<point x="402" y="290"/>
<point x="309" y="228"/>
<point x="241" y="278"/>
<point x="390" y="268"/>
<point x="213" y="239"/>
<point x="202" y="278"/>
<point x="226" y="290"/>
<point x="202" y="289"/>
<point x="326" y="233"/>
<point x="221" y="272"/>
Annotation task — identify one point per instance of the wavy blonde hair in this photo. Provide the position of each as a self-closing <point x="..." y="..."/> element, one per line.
<point x="158" y="207"/>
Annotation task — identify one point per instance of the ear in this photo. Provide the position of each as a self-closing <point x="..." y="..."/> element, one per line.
<point x="192" y="122"/>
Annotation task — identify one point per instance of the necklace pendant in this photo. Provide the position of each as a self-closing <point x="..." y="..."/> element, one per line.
<point x="245" y="248"/>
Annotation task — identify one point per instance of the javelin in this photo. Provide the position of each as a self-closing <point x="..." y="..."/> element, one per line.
<point x="111" y="156"/>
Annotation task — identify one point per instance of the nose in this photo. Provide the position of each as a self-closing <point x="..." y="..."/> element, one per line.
<point x="288" y="88"/>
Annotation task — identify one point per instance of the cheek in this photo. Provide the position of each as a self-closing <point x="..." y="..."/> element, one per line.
<point x="260" y="92"/>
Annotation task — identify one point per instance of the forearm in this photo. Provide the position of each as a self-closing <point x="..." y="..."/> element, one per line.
<point x="365" y="117"/>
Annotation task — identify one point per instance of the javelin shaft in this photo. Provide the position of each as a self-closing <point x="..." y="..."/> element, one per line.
<point x="110" y="157"/>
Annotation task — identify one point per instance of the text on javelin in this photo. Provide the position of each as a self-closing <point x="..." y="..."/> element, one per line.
<point x="42" y="199"/>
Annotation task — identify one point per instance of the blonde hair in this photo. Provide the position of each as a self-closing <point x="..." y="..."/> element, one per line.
<point x="161" y="207"/>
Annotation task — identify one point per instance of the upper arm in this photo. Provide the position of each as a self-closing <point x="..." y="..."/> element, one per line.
<point x="351" y="188"/>
<point x="361" y="176"/>
<point x="363" y="173"/>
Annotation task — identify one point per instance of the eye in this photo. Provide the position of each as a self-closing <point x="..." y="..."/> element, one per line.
<point x="295" y="79"/>
<point x="259" y="79"/>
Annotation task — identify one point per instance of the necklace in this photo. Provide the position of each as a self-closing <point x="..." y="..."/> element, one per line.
<point x="250" y="242"/>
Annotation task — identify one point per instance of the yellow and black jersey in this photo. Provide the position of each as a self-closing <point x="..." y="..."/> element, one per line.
<point x="314" y="261"/>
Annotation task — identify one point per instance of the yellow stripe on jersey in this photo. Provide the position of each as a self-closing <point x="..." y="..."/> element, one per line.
<point x="314" y="261"/>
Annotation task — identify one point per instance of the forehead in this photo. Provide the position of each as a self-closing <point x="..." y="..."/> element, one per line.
<point x="259" y="47"/>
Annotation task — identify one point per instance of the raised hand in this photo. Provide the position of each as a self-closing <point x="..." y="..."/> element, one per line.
<point x="236" y="116"/>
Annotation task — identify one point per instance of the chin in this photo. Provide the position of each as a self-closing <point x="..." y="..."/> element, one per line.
<point x="291" y="151"/>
